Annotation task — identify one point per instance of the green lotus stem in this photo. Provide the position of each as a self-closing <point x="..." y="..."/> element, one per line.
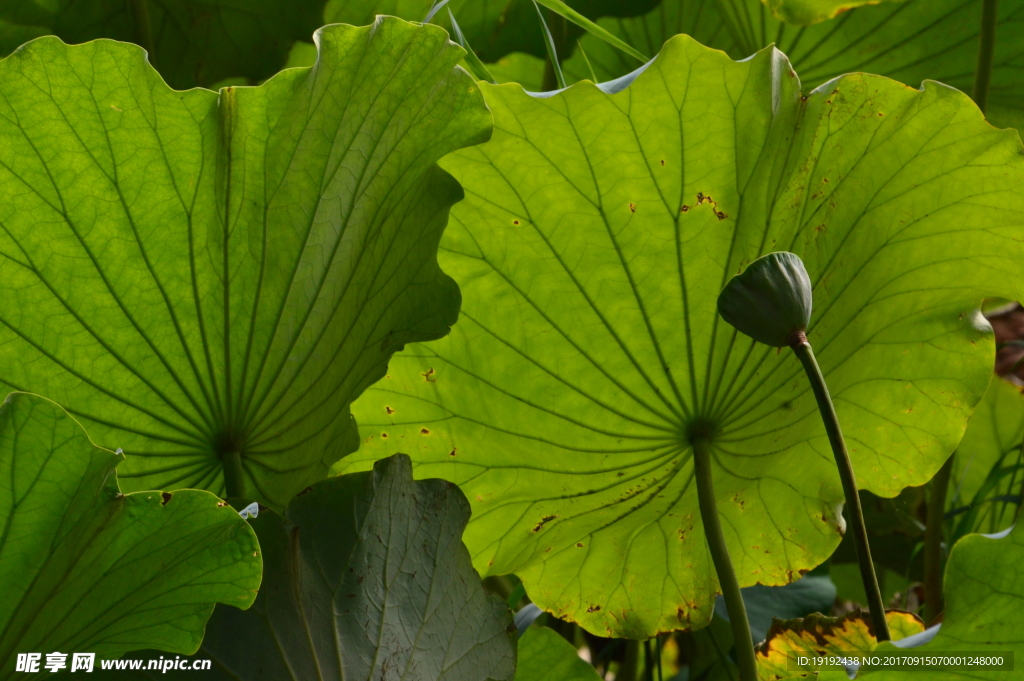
<point x="986" y="48"/>
<point x="720" y="557"/>
<point x="933" y="541"/>
<point x="143" y="29"/>
<point x="630" y="663"/>
<point x="234" y="477"/>
<point x="835" y="437"/>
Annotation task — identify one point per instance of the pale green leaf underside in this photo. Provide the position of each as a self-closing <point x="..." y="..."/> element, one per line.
<point x="545" y="656"/>
<point x="84" y="568"/>
<point x="194" y="42"/>
<point x="984" y="597"/>
<point x="908" y="41"/>
<point x="366" y="579"/>
<point x="595" y="237"/>
<point x="192" y="273"/>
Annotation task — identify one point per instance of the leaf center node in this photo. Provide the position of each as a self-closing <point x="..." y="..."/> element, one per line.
<point x="228" y="442"/>
<point x="701" y="428"/>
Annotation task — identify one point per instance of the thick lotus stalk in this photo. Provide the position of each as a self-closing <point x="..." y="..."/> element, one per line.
<point x="143" y="28"/>
<point x="770" y="301"/>
<point x="738" y="620"/>
<point x="234" y="477"/>
<point x="986" y="51"/>
<point x="933" y="562"/>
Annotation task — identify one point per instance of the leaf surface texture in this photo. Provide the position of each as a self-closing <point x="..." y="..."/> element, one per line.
<point x="597" y="232"/>
<point x="84" y="568"/>
<point x="193" y="274"/>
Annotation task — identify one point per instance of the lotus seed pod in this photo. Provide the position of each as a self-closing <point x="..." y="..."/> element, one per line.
<point x="770" y="301"/>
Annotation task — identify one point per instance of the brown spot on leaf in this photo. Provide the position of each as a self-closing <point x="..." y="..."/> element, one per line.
<point x="389" y="409"/>
<point x="546" y="519"/>
<point x="579" y="545"/>
<point x="594" y="608"/>
<point x="166" y="496"/>
<point x="632" y="208"/>
<point x="424" y="431"/>
<point x="427" y="375"/>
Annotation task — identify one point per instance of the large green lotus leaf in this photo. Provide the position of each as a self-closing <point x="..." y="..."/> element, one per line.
<point x="989" y="465"/>
<point x="191" y="42"/>
<point x="803" y="12"/>
<point x="993" y="437"/>
<point x="521" y="68"/>
<point x="545" y="656"/>
<point x="85" y="568"/>
<point x="700" y="19"/>
<point x="366" y="578"/>
<point x="984" y="595"/>
<point x="493" y="28"/>
<point x="597" y="232"/>
<point x="192" y="274"/>
<point x="908" y="41"/>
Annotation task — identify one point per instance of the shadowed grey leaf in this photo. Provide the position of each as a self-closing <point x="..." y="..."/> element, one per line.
<point x="366" y="579"/>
